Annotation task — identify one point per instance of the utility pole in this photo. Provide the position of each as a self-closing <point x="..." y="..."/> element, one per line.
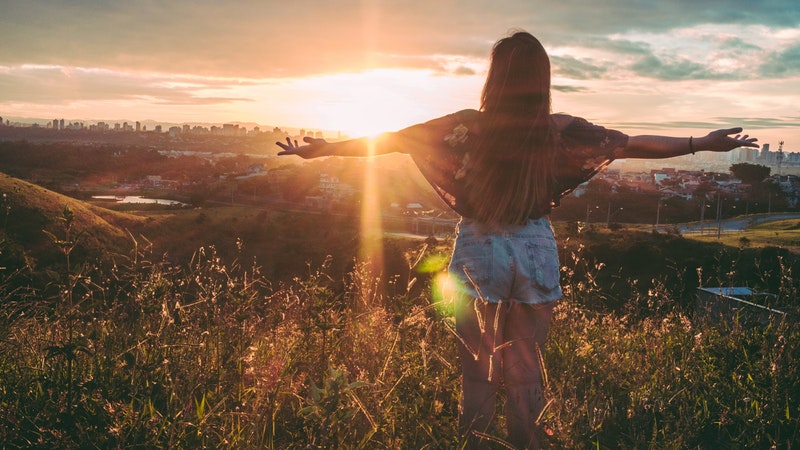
<point x="658" y="212"/>
<point x="702" y="213"/>
<point x="719" y="215"/>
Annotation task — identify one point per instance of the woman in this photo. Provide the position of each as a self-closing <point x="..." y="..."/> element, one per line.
<point x="503" y="168"/>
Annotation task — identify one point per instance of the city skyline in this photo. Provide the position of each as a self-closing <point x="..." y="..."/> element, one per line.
<point x="775" y="157"/>
<point x="358" y="67"/>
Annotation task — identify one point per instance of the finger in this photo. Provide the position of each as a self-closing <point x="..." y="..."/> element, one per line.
<point x="733" y="130"/>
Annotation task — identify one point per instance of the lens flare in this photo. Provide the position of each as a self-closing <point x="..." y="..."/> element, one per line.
<point x="370" y="252"/>
<point x="443" y="293"/>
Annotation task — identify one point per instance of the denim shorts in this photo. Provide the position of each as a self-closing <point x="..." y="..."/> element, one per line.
<point x="507" y="263"/>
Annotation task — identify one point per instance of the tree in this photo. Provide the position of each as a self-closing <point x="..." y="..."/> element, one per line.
<point x="752" y="174"/>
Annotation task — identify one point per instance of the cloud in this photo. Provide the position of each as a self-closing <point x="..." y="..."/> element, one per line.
<point x="577" y="69"/>
<point x="782" y="63"/>
<point x="761" y="122"/>
<point x="737" y="44"/>
<point x="255" y="38"/>
<point x="463" y="70"/>
<point x="674" y="69"/>
<point x="748" y="123"/>
<point x="223" y="54"/>
<point x="569" y="89"/>
<point x="49" y="84"/>
<point x="616" y="45"/>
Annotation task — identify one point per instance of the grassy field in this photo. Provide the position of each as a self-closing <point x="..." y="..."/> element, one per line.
<point x="214" y="355"/>
<point x="781" y="233"/>
<point x="187" y="341"/>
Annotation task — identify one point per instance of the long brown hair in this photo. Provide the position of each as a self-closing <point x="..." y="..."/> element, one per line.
<point x="511" y="166"/>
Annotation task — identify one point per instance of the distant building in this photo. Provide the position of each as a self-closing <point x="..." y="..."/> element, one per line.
<point x="229" y="129"/>
<point x="659" y="176"/>
<point x="745" y="154"/>
<point x="153" y="180"/>
<point x="332" y="188"/>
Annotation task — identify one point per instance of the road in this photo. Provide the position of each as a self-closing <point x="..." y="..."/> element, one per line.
<point x="730" y="225"/>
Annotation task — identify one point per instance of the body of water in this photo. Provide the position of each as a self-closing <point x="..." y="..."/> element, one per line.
<point x="137" y="199"/>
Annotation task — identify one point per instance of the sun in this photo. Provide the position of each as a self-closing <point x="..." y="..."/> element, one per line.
<point x="367" y="103"/>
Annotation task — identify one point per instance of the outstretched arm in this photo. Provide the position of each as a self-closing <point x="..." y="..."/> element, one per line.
<point x="655" y="147"/>
<point x="402" y="141"/>
<point x="408" y="140"/>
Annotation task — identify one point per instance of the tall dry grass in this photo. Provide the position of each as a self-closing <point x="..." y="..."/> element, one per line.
<point x="142" y="353"/>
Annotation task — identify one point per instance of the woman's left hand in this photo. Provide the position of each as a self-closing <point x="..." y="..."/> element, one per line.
<point x="721" y="141"/>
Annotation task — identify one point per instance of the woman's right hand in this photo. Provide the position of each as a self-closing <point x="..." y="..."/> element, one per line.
<point x="312" y="149"/>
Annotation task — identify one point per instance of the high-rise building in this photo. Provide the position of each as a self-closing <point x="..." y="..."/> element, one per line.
<point x="744" y="154"/>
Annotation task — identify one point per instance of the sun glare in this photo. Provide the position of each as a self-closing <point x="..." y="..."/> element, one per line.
<point x="368" y="103"/>
<point x="371" y="246"/>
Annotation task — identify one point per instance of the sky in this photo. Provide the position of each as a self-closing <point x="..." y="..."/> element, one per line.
<point x="679" y="67"/>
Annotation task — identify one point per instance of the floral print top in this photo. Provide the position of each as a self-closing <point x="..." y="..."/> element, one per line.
<point x="440" y="148"/>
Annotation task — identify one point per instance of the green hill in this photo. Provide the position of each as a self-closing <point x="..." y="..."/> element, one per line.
<point x="29" y="212"/>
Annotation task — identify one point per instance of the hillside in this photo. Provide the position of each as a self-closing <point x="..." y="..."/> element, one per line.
<point x="304" y="351"/>
<point x="284" y="244"/>
<point x="27" y="209"/>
